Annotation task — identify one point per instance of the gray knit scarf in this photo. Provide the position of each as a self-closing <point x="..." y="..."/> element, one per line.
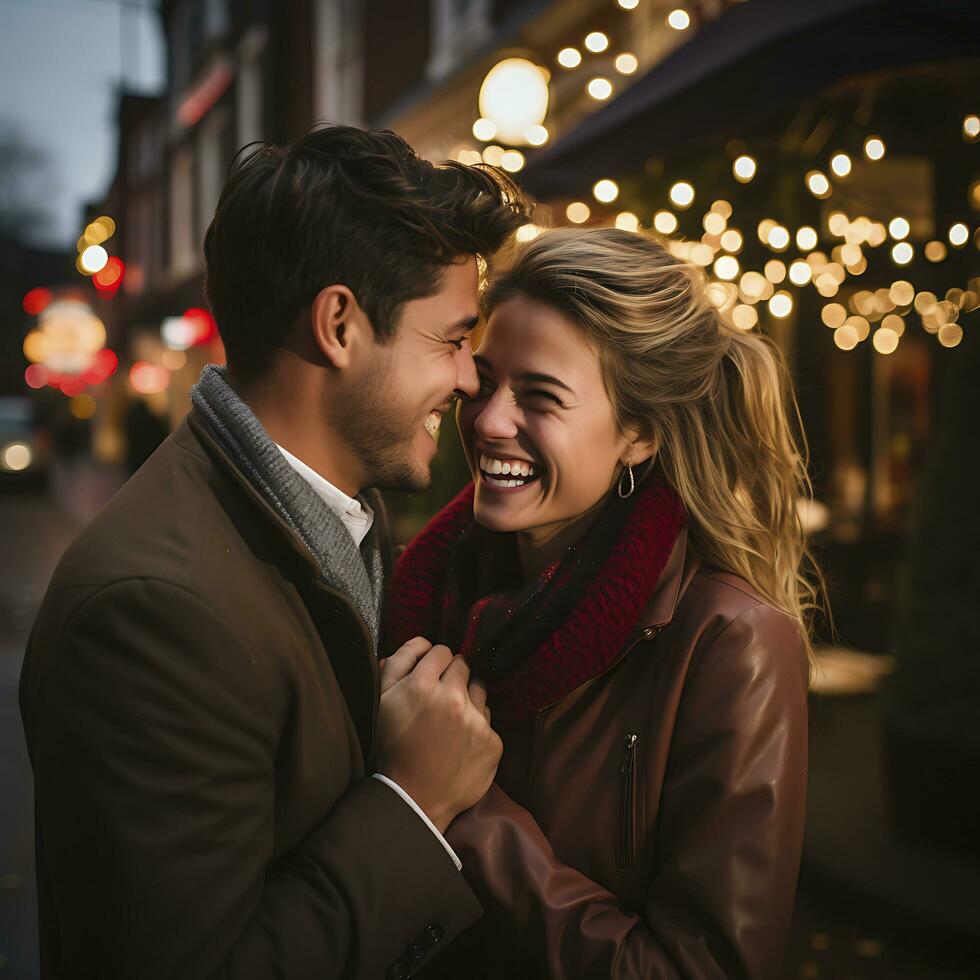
<point x="356" y="574"/>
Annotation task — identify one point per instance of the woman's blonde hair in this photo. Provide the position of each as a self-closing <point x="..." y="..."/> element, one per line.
<point x="719" y="401"/>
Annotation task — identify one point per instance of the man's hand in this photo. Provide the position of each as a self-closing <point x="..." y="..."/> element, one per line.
<point x="434" y="736"/>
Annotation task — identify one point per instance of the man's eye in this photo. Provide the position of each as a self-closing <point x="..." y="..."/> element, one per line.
<point x="485" y="384"/>
<point x="458" y="344"/>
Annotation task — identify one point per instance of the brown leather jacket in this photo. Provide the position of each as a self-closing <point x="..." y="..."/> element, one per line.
<point x="650" y="824"/>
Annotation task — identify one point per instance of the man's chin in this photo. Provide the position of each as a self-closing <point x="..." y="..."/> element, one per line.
<point x="406" y="480"/>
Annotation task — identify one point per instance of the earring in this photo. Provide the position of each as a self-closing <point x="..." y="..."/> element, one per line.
<point x="629" y="469"/>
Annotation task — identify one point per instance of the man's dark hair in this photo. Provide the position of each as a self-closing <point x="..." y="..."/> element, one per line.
<point x="342" y="205"/>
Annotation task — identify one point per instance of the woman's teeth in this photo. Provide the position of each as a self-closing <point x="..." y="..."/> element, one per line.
<point x="506" y="472"/>
<point x="432" y="424"/>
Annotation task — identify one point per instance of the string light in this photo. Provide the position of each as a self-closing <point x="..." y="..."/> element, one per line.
<point x="605" y="191"/>
<point x="744" y="168"/>
<point x="627" y="221"/>
<point x="600" y="89"/>
<point x="578" y="212"/>
<point x="682" y="194"/>
<point x="971" y="128"/>
<point x="840" y="163"/>
<point x="818" y="184"/>
<point x="806" y="238"/>
<point x="665" y="222"/>
<point x="484" y="129"/>
<point x="596" y="42"/>
<point x="781" y="305"/>
<point x="902" y="253"/>
<point x="626" y="63"/>
<point x="959" y="234"/>
<point x="569" y="57"/>
<point x="679" y="19"/>
<point x="512" y="161"/>
<point x="874" y="147"/>
<point x="898" y="228"/>
<point x="537" y="136"/>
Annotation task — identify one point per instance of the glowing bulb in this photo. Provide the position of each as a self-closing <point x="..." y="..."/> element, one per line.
<point x="806" y="238"/>
<point x="950" y="334"/>
<point x="778" y="238"/>
<point x="840" y="163"/>
<point x="713" y="223"/>
<point x="665" y="222"/>
<point x="874" y="148"/>
<point x="744" y="168"/>
<point x="527" y="233"/>
<point x="971" y="127"/>
<point x="731" y="240"/>
<point x="596" y="42"/>
<point x="627" y="221"/>
<point x="902" y="253"/>
<point x="484" y="129"/>
<point x="512" y="161"/>
<point x="846" y="337"/>
<point x="569" y="57"/>
<point x="817" y="184"/>
<point x="898" y="228"/>
<point x="781" y="305"/>
<point x="577" y="212"/>
<point x="493" y="155"/>
<point x="935" y="251"/>
<point x="744" y="317"/>
<point x="726" y="267"/>
<point x="605" y="191"/>
<point x="600" y="89"/>
<point x="93" y="259"/>
<point x="958" y="234"/>
<point x="626" y="63"/>
<point x="628" y="4"/>
<point x="514" y="95"/>
<point x="682" y="194"/>
<point x="679" y="19"/>
<point x="800" y="273"/>
<point x="537" y="136"/>
<point x="775" y="271"/>
<point x="833" y="315"/>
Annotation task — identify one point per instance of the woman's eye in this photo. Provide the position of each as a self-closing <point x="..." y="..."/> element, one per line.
<point x="538" y="393"/>
<point x="485" y="385"/>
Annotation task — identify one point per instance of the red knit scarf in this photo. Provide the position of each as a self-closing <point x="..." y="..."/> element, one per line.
<point x="460" y="584"/>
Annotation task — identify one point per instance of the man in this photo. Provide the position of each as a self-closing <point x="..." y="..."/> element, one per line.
<point x="203" y="705"/>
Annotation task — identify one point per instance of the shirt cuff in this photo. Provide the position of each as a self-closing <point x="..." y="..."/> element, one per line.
<point x="418" y="810"/>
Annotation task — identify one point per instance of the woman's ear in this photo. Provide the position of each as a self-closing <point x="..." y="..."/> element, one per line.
<point x="639" y="449"/>
<point x="336" y="323"/>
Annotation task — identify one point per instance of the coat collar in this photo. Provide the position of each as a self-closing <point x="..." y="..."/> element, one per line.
<point x="357" y="676"/>
<point x="681" y="567"/>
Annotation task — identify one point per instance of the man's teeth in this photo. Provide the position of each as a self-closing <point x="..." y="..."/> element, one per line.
<point x="518" y="470"/>
<point x="432" y="424"/>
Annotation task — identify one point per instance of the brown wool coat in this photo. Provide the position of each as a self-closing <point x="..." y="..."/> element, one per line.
<point x="201" y="713"/>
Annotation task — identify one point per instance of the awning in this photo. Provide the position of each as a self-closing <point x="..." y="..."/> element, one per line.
<point x="753" y="59"/>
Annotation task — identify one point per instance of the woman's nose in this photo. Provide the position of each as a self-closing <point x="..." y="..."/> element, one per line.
<point x="497" y="418"/>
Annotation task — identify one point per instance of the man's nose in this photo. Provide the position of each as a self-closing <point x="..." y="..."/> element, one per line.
<point x="467" y="379"/>
<point x="496" y="419"/>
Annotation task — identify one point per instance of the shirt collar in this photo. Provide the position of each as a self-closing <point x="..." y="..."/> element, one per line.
<point x="356" y="516"/>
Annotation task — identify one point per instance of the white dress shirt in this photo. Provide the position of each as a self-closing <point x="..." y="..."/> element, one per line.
<point x="357" y="517"/>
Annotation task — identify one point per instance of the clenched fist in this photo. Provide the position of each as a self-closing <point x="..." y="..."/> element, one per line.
<point x="434" y="734"/>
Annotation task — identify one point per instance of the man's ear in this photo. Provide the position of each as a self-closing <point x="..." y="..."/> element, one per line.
<point x="337" y="322"/>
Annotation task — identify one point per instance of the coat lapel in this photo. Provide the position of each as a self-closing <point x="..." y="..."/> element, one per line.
<point x="342" y="630"/>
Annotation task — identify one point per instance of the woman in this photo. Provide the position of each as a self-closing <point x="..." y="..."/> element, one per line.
<point x="625" y="573"/>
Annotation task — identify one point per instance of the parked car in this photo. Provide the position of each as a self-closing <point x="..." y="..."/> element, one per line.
<point x="25" y="445"/>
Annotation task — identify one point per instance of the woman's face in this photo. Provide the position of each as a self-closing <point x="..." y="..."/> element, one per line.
<point x="540" y="437"/>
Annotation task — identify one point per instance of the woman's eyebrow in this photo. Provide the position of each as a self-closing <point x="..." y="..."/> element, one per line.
<point x="548" y="379"/>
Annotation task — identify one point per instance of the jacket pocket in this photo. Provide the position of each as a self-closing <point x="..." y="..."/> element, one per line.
<point x="627" y="816"/>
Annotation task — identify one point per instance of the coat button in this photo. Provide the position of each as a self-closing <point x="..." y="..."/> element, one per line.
<point x="649" y="632"/>
<point x="433" y="933"/>
<point x="399" y="971"/>
<point x="415" y="950"/>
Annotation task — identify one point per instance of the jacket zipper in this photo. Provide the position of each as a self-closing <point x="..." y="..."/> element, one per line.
<point x="626" y="845"/>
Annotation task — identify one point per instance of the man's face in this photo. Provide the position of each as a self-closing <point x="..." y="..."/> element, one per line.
<point x="390" y="416"/>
